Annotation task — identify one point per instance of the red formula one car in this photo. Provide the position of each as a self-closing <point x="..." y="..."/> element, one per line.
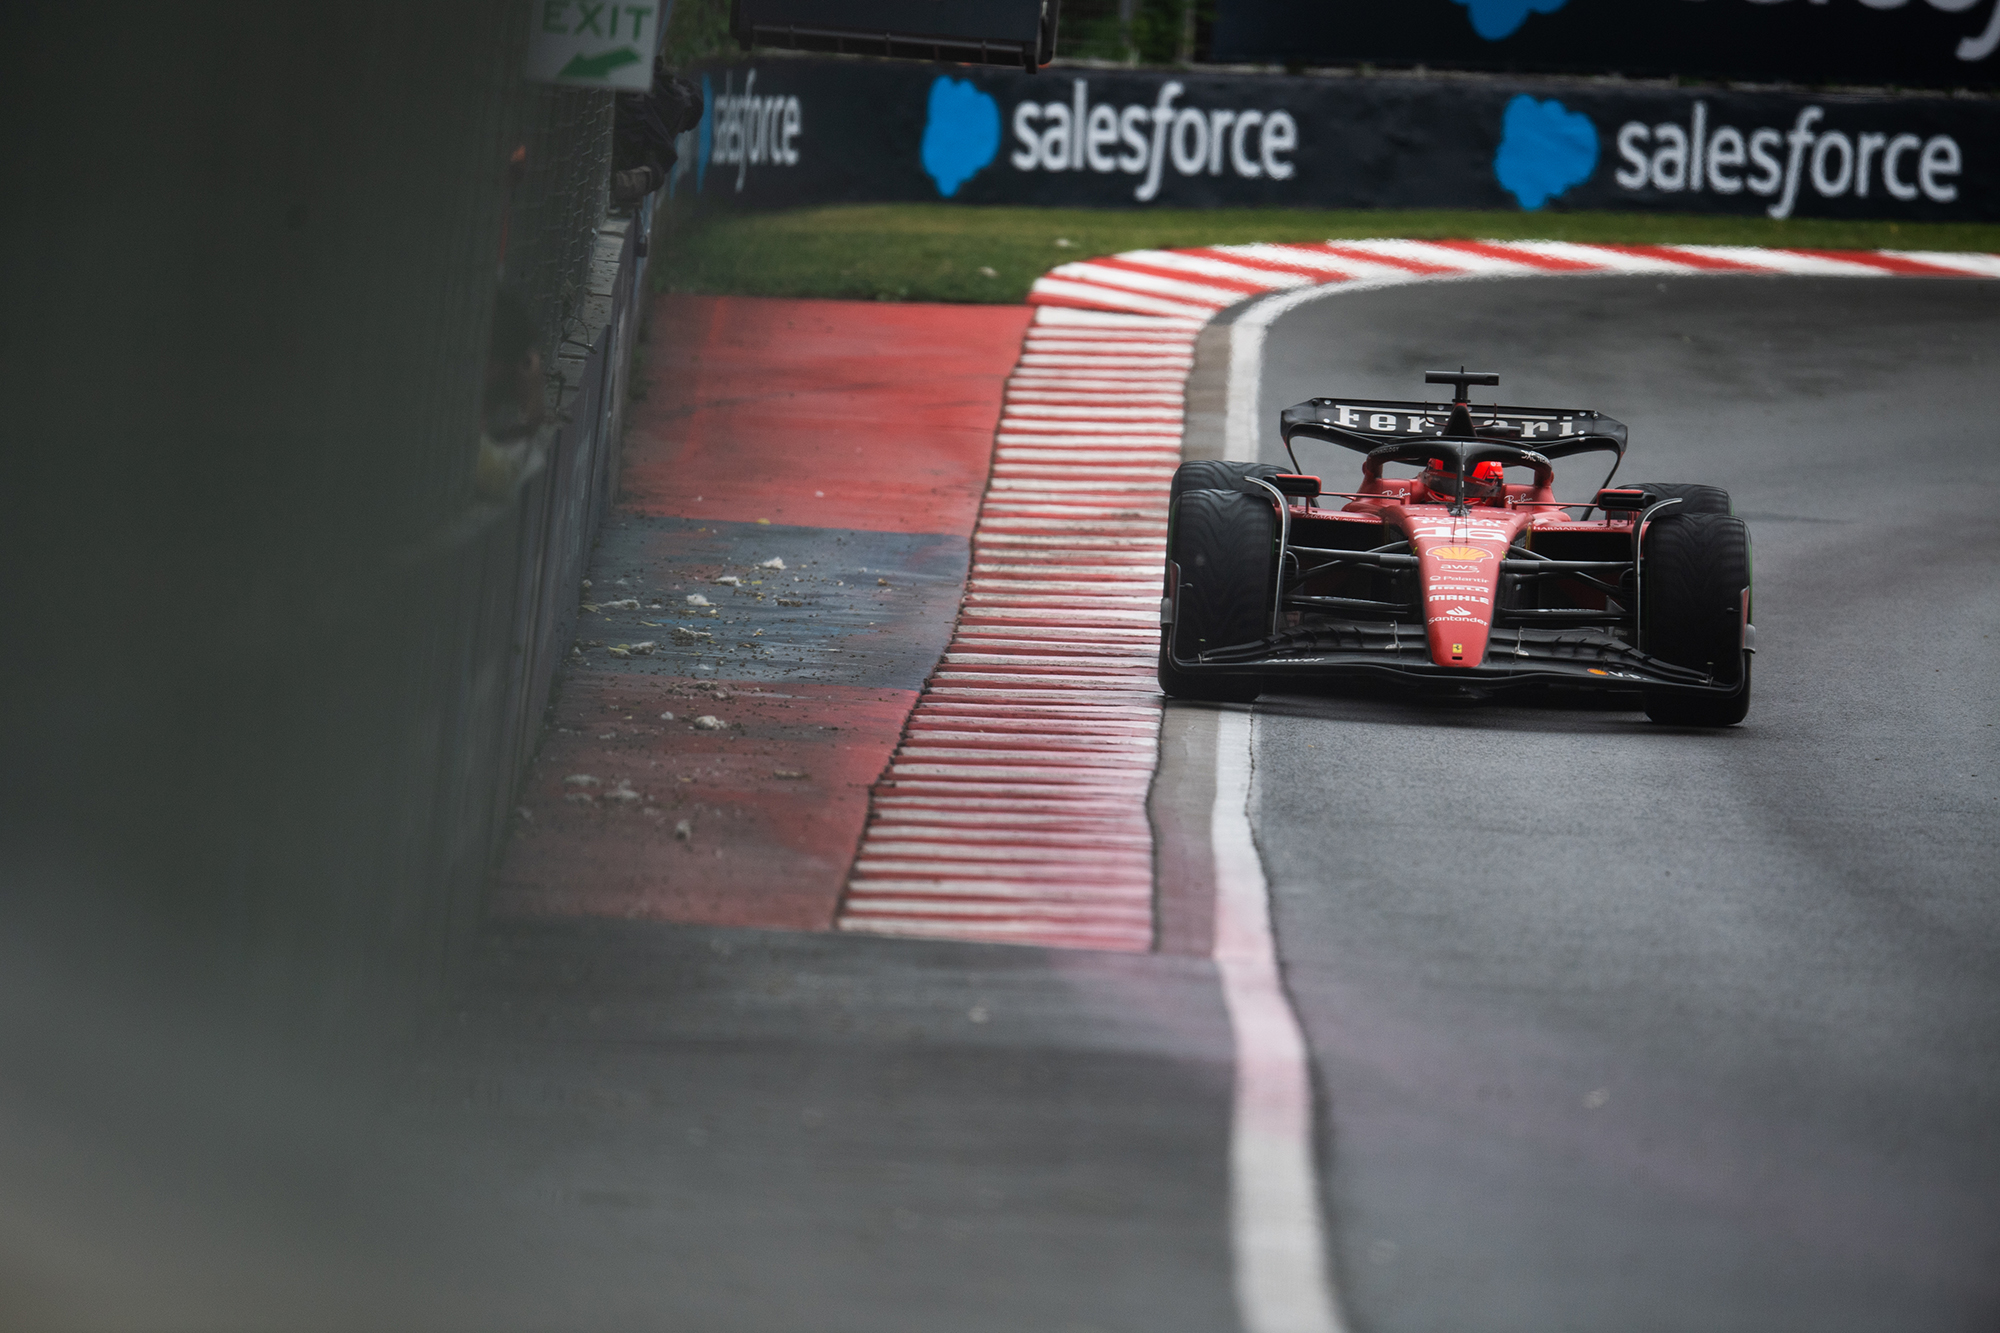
<point x="1456" y="578"/>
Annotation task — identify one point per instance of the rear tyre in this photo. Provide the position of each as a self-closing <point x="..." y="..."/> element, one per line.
<point x="1693" y="604"/>
<point x="1226" y="544"/>
<point x="1212" y="474"/>
<point x="1694" y="497"/>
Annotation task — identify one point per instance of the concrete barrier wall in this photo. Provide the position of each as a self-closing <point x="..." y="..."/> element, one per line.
<point x="271" y="666"/>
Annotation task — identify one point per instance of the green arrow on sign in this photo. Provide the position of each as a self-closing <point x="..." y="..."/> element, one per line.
<point x="599" y="65"/>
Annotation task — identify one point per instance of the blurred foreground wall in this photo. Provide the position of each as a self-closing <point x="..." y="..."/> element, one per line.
<point x="271" y="665"/>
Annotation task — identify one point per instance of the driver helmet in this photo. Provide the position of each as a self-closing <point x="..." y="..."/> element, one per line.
<point x="1488" y="481"/>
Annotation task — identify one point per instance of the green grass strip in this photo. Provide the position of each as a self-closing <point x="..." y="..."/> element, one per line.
<point x="952" y="252"/>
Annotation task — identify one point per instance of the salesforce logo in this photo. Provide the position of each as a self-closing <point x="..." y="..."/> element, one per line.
<point x="1494" y="19"/>
<point x="1779" y="164"/>
<point x="1140" y="140"/>
<point x="744" y="130"/>
<point x="961" y="134"/>
<point x="1498" y="19"/>
<point x="1545" y="148"/>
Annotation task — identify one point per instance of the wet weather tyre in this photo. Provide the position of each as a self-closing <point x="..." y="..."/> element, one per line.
<point x="1225" y="545"/>
<point x="1693" y="604"/>
<point x="1694" y="498"/>
<point x="1212" y="474"/>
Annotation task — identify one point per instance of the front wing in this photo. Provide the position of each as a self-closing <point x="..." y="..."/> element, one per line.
<point x="1386" y="650"/>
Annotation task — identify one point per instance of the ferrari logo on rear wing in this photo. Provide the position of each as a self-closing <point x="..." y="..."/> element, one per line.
<point x="1362" y="424"/>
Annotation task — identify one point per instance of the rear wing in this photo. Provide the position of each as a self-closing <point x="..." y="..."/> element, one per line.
<point x="1366" y="424"/>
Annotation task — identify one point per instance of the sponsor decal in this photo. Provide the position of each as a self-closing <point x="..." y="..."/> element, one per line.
<point x="1469" y="529"/>
<point x="744" y="130"/>
<point x="1458" y="650"/>
<point x="1545" y="148"/>
<point x="961" y="133"/>
<point x="1458" y="597"/>
<point x="1495" y="19"/>
<point x="1140" y="140"/>
<point x="1375" y="421"/>
<point x="1460" y="553"/>
<point x="1725" y="160"/>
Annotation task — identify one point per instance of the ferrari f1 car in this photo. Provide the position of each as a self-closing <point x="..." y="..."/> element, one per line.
<point x="1456" y="578"/>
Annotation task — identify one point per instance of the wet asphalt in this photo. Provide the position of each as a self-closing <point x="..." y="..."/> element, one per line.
<point x="1619" y="1026"/>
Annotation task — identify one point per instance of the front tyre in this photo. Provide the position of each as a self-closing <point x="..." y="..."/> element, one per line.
<point x="1225" y="544"/>
<point x="1694" y="602"/>
<point x="1213" y="474"/>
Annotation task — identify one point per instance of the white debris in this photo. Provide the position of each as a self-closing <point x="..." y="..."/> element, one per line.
<point x="696" y="599"/>
<point x="581" y="780"/>
<point x="623" y="793"/>
<point x="666" y="717"/>
<point x="684" y="830"/>
<point x="775" y="562"/>
<point x="730" y="581"/>
<point x="686" y="635"/>
<point x="622" y="604"/>
<point x="642" y="648"/>
<point x="986" y="271"/>
<point x="710" y="722"/>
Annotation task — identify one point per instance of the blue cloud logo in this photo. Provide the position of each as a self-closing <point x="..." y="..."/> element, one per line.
<point x="1544" y="149"/>
<point x="961" y="135"/>
<point x="1494" y="19"/>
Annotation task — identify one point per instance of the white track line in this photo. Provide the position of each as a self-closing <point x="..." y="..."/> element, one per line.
<point x="1282" y="1285"/>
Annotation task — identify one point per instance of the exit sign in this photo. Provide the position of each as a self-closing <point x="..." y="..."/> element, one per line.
<point x="593" y="43"/>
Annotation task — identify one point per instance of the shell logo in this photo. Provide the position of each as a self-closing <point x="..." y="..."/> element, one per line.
<point x="1460" y="553"/>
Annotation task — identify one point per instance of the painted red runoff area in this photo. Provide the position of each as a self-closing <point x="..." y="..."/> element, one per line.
<point x="630" y="815"/>
<point x="833" y="414"/>
<point x="862" y="433"/>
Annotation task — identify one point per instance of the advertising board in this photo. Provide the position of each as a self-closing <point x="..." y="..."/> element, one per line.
<point x="1908" y="43"/>
<point x="797" y="131"/>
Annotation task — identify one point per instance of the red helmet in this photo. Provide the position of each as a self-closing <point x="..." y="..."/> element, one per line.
<point x="1488" y="481"/>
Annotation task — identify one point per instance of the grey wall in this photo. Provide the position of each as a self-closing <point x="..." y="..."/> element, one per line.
<point x="269" y="667"/>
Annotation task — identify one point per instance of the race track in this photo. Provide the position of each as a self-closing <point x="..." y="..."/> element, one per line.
<point x="1624" y="1027"/>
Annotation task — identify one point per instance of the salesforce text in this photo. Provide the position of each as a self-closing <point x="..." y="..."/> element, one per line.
<point x="1139" y="140"/>
<point x="751" y="131"/>
<point x="1694" y="158"/>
